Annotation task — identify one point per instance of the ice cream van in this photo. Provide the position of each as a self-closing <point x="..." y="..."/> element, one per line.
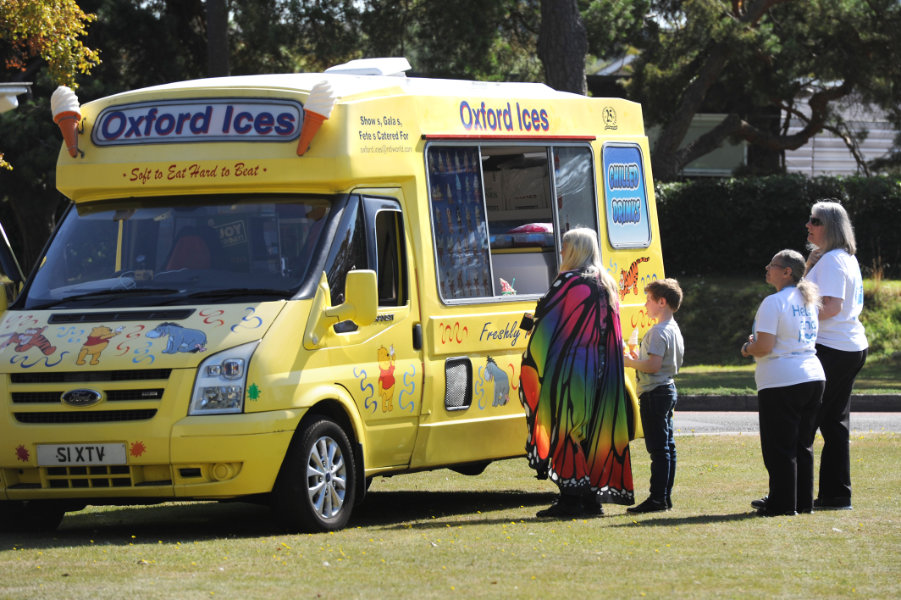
<point x="279" y="287"/>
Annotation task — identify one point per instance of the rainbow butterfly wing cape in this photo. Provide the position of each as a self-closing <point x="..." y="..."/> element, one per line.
<point x="573" y="389"/>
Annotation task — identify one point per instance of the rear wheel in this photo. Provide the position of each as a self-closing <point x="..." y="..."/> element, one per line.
<point x="316" y="487"/>
<point x="21" y="516"/>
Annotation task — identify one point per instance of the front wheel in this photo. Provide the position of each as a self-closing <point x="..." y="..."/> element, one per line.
<point x="316" y="487"/>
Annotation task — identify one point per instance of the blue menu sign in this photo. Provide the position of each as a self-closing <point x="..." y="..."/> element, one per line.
<point x="625" y="195"/>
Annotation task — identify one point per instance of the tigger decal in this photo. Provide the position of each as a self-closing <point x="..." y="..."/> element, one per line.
<point x="629" y="278"/>
<point x="33" y="337"/>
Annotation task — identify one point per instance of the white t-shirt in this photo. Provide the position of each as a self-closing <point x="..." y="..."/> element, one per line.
<point x="793" y="359"/>
<point x="665" y="340"/>
<point x="837" y="274"/>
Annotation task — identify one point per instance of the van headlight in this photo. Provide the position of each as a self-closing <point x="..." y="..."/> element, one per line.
<point x="221" y="381"/>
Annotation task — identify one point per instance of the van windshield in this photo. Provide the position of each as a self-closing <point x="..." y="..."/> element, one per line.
<point x="169" y="251"/>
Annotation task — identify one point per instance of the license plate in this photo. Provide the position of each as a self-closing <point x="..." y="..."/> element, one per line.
<point x="57" y="455"/>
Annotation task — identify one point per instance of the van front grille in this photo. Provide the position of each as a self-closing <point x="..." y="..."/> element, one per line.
<point x="94" y="416"/>
<point x="87" y="376"/>
<point x="98" y="477"/>
<point x="88" y="477"/>
<point x="111" y="396"/>
<point x="41" y="396"/>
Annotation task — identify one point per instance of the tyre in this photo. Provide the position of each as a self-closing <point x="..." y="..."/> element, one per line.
<point x="30" y="516"/>
<point x="316" y="487"/>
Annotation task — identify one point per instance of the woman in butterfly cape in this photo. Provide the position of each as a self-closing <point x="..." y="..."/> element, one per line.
<point x="573" y="388"/>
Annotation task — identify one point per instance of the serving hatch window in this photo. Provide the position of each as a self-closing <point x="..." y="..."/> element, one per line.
<point x="498" y="212"/>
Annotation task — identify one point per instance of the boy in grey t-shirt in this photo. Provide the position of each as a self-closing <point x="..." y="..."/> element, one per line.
<point x="656" y="363"/>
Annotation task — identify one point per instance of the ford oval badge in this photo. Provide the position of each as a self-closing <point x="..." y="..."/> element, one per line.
<point x="81" y="398"/>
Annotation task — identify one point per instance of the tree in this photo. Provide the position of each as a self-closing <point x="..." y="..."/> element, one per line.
<point x="217" y="37"/>
<point x="33" y="32"/>
<point x="801" y="57"/>
<point x="562" y="46"/>
<point x="466" y="39"/>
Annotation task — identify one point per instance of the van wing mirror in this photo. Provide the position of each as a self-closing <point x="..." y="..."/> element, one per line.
<point x="360" y="298"/>
<point x="360" y="305"/>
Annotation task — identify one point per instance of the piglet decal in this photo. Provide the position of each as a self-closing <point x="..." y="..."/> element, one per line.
<point x="181" y="339"/>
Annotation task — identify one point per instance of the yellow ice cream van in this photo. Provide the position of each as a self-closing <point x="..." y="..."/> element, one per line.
<point x="278" y="287"/>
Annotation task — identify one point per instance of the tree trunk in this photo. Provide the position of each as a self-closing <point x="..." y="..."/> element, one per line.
<point x="217" y="37"/>
<point x="562" y="46"/>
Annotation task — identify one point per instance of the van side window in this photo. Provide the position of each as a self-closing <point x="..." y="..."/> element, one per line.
<point x="498" y="212"/>
<point x="348" y="251"/>
<point x="392" y="279"/>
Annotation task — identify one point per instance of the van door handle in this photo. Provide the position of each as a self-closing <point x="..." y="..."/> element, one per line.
<point x="417" y="337"/>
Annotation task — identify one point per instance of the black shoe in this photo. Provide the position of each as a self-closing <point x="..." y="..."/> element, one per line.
<point x="648" y="506"/>
<point x="763" y="512"/>
<point x="591" y="507"/>
<point x="564" y="506"/>
<point x="759" y="503"/>
<point x="669" y="503"/>
<point x="832" y="503"/>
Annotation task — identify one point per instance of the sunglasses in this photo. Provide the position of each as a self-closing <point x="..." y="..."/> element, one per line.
<point x="815" y="221"/>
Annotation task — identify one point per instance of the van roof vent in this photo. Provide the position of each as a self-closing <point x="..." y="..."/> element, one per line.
<point x="394" y="67"/>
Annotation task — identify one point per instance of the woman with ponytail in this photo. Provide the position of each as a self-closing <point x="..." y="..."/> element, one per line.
<point x="790" y="383"/>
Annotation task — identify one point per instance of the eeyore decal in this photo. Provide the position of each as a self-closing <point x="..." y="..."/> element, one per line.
<point x="501" y="382"/>
<point x="180" y="339"/>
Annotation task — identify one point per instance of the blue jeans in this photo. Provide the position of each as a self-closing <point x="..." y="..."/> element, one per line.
<point x="656" y="408"/>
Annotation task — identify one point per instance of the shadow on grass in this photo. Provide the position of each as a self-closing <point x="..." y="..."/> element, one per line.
<point x="205" y="521"/>
<point x="200" y="521"/>
<point x="638" y="521"/>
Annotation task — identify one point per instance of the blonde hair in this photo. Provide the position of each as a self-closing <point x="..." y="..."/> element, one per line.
<point x="793" y="260"/>
<point x="581" y="253"/>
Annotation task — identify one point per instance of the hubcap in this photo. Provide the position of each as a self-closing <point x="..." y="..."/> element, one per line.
<point x="326" y="477"/>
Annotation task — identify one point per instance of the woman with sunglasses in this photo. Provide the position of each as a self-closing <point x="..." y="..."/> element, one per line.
<point x="841" y="342"/>
<point x="790" y="382"/>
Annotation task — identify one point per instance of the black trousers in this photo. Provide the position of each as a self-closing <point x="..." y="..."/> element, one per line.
<point x="834" y="421"/>
<point x="787" y="429"/>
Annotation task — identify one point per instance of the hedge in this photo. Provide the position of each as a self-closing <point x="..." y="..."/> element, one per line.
<point x="734" y="226"/>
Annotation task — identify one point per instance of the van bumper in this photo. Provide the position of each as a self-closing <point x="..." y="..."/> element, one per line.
<point x="210" y="457"/>
<point x="216" y="457"/>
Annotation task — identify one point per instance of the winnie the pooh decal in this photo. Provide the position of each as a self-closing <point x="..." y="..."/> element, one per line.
<point x="96" y="343"/>
<point x="386" y="377"/>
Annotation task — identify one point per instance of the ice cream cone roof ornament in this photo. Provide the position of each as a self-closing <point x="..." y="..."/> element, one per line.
<point x="66" y="114"/>
<point x="316" y="109"/>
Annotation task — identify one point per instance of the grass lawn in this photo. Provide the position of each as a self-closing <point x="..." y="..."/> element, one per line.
<point x="877" y="377"/>
<point x="443" y="535"/>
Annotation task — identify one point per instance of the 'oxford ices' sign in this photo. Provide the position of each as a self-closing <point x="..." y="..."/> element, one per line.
<point x="199" y="120"/>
